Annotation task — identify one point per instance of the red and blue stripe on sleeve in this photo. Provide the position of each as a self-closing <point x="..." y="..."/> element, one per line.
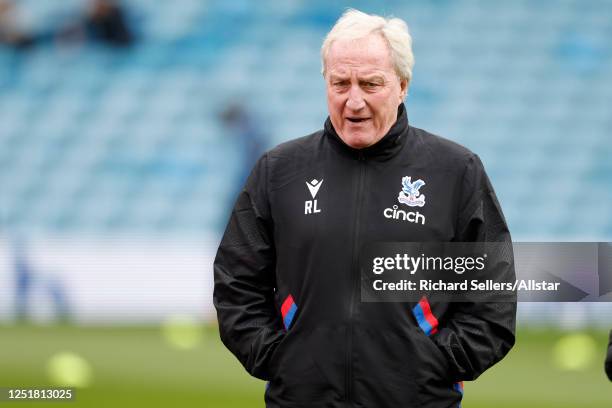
<point x="288" y="310"/>
<point x="424" y="317"/>
<point x="458" y="386"/>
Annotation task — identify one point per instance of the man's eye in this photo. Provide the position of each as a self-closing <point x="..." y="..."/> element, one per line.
<point x="371" y="85"/>
<point x="340" y="83"/>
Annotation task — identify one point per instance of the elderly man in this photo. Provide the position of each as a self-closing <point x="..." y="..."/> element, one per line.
<point x="286" y="273"/>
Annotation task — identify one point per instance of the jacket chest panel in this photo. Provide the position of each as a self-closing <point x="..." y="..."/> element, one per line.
<point x="406" y="204"/>
<point x="393" y="204"/>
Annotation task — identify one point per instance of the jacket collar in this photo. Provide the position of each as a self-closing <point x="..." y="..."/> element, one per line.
<point x="386" y="147"/>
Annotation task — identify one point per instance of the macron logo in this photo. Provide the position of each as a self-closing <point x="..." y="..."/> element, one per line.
<point x="313" y="187"/>
<point x="310" y="206"/>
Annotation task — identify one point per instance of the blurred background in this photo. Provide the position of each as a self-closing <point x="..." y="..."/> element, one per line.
<point x="128" y="127"/>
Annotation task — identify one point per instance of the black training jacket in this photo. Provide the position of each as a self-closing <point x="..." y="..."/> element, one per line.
<point x="287" y="279"/>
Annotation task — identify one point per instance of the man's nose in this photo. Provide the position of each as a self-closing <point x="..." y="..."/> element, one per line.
<point x="355" y="98"/>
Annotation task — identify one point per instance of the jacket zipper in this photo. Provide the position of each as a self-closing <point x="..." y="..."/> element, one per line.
<point x="354" y="276"/>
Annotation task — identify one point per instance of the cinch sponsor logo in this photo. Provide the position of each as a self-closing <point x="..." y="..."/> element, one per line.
<point x="410" y="216"/>
<point x="409" y="195"/>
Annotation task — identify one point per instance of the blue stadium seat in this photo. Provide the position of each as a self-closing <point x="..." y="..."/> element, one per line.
<point x="96" y="140"/>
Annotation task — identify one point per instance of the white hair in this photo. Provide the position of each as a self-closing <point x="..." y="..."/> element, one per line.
<point x="354" y="25"/>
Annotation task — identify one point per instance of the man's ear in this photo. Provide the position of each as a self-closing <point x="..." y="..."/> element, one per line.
<point x="403" y="89"/>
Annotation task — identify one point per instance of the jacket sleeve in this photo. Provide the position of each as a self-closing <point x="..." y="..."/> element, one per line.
<point x="477" y="335"/>
<point x="245" y="279"/>
<point x="609" y="358"/>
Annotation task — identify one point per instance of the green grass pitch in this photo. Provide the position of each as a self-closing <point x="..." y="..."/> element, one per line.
<point x="136" y="366"/>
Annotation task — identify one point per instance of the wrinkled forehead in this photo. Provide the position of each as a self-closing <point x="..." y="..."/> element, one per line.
<point x="367" y="55"/>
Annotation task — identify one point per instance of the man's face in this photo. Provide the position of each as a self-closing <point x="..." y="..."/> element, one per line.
<point x="363" y="90"/>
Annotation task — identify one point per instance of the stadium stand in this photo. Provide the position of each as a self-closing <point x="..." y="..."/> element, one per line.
<point x="95" y="140"/>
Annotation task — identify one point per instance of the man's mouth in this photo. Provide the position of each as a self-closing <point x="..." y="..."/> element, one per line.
<point x="357" y="120"/>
